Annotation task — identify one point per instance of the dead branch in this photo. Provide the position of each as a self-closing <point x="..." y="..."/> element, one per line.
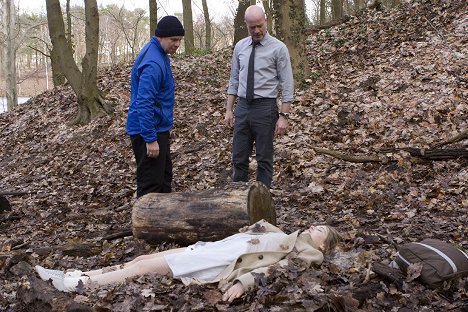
<point x="457" y="138"/>
<point x="122" y="234"/>
<point x="39" y="51"/>
<point x="18" y="193"/>
<point x="433" y="154"/>
<point x="426" y="154"/>
<point x="347" y="157"/>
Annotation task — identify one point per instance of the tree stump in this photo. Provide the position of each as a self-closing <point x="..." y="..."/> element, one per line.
<point x="209" y="215"/>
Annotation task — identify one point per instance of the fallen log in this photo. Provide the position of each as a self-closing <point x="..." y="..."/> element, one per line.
<point x="209" y="215"/>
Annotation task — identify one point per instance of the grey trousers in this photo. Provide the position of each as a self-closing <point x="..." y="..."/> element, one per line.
<point x="254" y="122"/>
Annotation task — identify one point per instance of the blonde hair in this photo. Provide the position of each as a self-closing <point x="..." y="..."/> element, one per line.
<point x="332" y="239"/>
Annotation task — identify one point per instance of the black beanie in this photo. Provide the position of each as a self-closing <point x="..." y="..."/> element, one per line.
<point x="169" y="26"/>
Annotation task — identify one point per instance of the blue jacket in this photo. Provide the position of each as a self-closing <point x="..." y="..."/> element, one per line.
<point x="152" y="93"/>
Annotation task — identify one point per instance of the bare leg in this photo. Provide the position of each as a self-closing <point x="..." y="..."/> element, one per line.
<point x="137" y="259"/>
<point x="139" y="266"/>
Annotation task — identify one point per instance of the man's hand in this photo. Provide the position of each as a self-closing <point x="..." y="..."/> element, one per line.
<point x="229" y="119"/>
<point x="281" y="126"/>
<point x="152" y="149"/>
<point x="234" y="292"/>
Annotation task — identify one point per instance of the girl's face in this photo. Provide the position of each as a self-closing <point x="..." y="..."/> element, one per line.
<point x="318" y="234"/>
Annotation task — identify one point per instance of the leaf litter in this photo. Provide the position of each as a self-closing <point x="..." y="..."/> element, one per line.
<point x="383" y="79"/>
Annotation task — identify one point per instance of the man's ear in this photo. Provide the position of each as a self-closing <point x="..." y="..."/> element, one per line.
<point x="322" y="247"/>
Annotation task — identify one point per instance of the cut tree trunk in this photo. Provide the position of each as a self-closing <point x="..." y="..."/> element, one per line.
<point x="210" y="215"/>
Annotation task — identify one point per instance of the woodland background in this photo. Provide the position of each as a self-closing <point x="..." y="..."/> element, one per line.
<point x="380" y="82"/>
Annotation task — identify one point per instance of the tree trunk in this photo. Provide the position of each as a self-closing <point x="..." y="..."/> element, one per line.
<point x="92" y="104"/>
<point x="337" y="9"/>
<point x="206" y="14"/>
<point x="291" y="29"/>
<point x="269" y="15"/>
<point x="210" y="215"/>
<point x="9" y="59"/>
<point x="69" y="25"/>
<point x="153" y="13"/>
<point x="84" y="84"/>
<point x="188" y="27"/>
<point x="240" y="29"/>
<point x="323" y="12"/>
<point x="58" y="77"/>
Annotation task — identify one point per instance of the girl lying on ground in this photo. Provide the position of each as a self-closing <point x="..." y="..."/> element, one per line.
<point x="229" y="261"/>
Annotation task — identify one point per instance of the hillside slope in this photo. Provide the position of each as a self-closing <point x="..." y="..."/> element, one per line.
<point x="382" y="80"/>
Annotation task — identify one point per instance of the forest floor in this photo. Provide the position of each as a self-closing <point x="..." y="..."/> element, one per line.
<point x="381" y="82"/>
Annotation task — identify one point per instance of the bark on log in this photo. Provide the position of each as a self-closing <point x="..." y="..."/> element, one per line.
<point x="210" y="215"/>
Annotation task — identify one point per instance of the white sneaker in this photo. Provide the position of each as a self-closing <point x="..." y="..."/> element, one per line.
<point x="47" y="274"/>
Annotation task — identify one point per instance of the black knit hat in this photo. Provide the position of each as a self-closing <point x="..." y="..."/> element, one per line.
<point x="169" y="26"/>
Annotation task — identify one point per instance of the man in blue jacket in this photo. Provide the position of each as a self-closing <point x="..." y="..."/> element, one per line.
<point x="150" y="116"/>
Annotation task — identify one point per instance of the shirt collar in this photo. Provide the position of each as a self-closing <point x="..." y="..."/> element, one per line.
<point x="263" y="41"/>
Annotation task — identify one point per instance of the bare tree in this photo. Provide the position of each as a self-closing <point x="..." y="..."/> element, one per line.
<point x="153" y="14"/>
<point x="9" y="53"/>
<point x="129" y="26"/>
<point x="91" y="104"/>
<point x="291" y="29"/>
<point x="188" y="26"/>
<point x="206" y="14"/>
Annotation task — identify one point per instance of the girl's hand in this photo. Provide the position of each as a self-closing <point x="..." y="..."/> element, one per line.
<point x="234" y="292"/>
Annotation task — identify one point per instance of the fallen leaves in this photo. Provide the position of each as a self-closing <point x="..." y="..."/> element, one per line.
<point x="381" y="80"/>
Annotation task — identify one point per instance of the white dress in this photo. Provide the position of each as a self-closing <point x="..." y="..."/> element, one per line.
<point x="206" y="260"/>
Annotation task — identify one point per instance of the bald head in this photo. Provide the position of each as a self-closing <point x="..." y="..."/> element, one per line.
<point x="256" y="22"/>
<point x="254" y="12"/>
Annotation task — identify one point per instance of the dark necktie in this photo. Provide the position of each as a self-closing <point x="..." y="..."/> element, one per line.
<point x="249" y="94"/>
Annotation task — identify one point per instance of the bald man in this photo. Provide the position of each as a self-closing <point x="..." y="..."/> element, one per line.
<point x="256" y="117"/>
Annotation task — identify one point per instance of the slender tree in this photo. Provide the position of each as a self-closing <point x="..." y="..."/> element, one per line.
<point x="323" y="12"/>
<point x="188" y="26"/>
<point x="269" y="15"/>
<point x="290" y="28"/>
<point x="91" y="104"/>
<point x="153" y="14"/>
<point x="9" y="53"/>
<point x="206" y="14"/>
